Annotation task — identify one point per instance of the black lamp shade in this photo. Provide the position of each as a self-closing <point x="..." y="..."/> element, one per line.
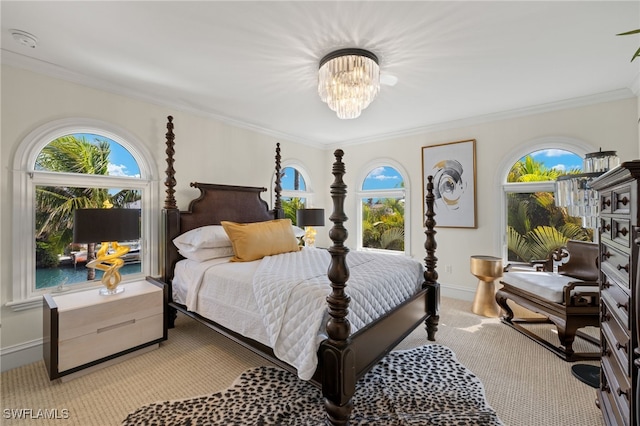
<point x="310" y="217"/>
<point x="100" y="225"/>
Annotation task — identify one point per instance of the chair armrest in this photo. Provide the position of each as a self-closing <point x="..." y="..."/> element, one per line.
<point x="582" y="298"/>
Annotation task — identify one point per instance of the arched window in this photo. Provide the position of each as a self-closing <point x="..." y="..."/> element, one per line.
<point x="67" y="165"/>
<point x="383" y="208"/>
<point x="296" y="193"/>
<point x="534" y="225"/>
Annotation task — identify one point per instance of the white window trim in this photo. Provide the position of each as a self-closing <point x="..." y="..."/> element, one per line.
<point x="576" y="146"/>
<point x="388" y="193"/>
<point x="25" y="179"/>
<point x="307" y="194"/>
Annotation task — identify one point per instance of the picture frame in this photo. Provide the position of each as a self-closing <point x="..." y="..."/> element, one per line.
<point x="453" y="167"/>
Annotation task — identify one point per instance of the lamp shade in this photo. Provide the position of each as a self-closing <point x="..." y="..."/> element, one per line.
<point x="310" y="217"/>
<point x="99" y="225"/>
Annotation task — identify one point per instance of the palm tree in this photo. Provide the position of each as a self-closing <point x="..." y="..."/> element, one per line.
<point x="55" y="205"/>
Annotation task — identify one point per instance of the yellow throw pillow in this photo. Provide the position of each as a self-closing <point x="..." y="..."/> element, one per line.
<point x="253" y="241"/>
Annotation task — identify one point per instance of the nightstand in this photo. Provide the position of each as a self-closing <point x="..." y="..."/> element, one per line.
<point x="83" y="329"/>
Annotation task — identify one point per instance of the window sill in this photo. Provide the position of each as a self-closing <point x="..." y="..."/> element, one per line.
<point x="23" y="305"/>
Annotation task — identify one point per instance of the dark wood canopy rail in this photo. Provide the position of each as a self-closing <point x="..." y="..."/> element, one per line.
<point x="343" y="357"/>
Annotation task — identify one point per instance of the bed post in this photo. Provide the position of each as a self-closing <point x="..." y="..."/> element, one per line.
<point x="170" y="219"/>
<point x="277" y="207"/>
<point x="430" y="273"/>
<point x="338" y="368"/>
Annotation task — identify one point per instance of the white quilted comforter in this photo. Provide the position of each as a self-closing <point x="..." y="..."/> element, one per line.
<point x="291" y="291"/>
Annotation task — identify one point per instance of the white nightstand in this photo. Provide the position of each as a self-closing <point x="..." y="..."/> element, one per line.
<point x="84" y="328"/>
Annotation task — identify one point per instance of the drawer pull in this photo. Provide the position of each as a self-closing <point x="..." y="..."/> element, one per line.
<point x="607" y="227"/>
<point x="605" y="317"/>
<point x="620" y="346"/>
<point x="621" y="392"/>
<point x="111" y="327"/>
<point x="624" y="201"/>
<point x="606" y="352"/>
<point x="624" y="232"/>
<point x="606" y="284"/>
<point x="625" y="267"/>
<point x="606" y="254"/>
<point x="607" y="202"/>
<point x="624" y="306"/>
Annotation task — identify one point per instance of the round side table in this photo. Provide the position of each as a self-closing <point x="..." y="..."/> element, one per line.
<point x="486" y="269"/>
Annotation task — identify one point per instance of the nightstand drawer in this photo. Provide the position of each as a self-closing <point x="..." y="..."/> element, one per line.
<point x="108" y="341"/>
<point x="88" y="319"/>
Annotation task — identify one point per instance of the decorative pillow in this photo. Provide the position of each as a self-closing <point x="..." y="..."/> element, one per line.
<point x="253" y="241"/>
<point x="204" y="237"/>
<point x="207" y="253"/>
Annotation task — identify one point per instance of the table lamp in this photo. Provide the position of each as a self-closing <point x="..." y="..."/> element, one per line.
<point x="107" y="226"/>
<point x="308" y="218"/>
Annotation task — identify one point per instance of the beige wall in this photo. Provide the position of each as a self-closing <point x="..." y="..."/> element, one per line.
<point x="210" y="151"/>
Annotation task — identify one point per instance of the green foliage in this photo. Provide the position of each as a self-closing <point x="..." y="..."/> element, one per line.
<point x="637" y="53"/>
<point x="383" y="224"/>
<point x="290" y="207"/>
<point x="535" y="225"/>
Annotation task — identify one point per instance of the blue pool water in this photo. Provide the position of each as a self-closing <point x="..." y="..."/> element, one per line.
<point x="53" y="277"/>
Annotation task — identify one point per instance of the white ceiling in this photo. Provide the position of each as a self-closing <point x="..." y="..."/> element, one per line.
<point x="254" y="64"/>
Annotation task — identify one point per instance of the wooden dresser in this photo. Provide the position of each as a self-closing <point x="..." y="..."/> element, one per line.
<point x="619" y="393"/>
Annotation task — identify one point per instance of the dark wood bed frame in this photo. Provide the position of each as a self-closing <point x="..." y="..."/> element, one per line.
<point x="343" y="358"/>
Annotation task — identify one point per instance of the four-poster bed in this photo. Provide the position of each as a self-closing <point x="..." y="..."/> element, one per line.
<point x="342" y="356"/>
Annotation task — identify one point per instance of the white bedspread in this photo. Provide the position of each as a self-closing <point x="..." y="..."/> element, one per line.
<point x="291" y="291"/>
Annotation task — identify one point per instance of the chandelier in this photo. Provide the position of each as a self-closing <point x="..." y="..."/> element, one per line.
<point x="348" y="80"/>
<point x="574" y="192"/>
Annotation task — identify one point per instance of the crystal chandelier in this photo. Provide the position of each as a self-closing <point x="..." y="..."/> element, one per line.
<point x="348" y="80"/>
<point x="573" y="190"/>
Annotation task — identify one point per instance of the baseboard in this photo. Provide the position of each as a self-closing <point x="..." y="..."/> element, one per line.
<point x="22" y="354"/>
<point x="457" y="292"/>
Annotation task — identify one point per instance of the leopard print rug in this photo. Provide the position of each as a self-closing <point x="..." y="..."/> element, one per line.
<point x="421" y="386"/>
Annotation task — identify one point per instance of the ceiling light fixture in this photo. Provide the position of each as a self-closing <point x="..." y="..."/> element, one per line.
<point x="24" y="38"/>
<point x="348" y="80"/>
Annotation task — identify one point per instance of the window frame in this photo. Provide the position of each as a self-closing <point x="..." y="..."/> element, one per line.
<point x="308" y="195"/>
<point x="573" y="145"/>
<point x="384" y="193"/>
<point x="26" y="178"/>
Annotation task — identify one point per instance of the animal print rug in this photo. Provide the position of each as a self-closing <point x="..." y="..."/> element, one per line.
<point x="421" y="386"/>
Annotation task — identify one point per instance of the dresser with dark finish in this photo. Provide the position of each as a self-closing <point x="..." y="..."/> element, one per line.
<point x="619" y="392"/>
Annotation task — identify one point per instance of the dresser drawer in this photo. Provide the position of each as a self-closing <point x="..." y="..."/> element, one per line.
<point x="615" y="264"/>
<point x="616" y="229"/>
<point x="621" y="200"/>
<point x="617" y="389"/>
<point x="618" y="301"/>
<point x="615" y="346"/>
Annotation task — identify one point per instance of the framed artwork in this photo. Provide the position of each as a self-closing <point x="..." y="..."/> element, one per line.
<point x="453" y="167"/>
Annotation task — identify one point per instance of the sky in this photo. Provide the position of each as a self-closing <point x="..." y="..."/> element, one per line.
<point x="121" y="162"/>
<point x="558" y="159"/>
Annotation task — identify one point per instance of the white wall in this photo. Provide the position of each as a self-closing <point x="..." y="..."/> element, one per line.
<point x="210" y="151"/>
<point x="611" y="125"/>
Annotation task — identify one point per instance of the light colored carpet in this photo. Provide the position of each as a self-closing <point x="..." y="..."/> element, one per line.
<point x="526" y="384"/>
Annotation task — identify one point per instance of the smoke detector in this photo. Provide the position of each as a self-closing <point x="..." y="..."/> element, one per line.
<point x="24" y="38"/>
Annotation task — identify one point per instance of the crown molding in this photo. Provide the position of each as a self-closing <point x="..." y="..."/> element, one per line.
<point x="23" y="62"/>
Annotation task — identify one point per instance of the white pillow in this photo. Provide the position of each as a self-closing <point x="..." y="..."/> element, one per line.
<point x="211" y="236"/>
<point x="207" y="253"/>
<point x="297" y="231"/>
